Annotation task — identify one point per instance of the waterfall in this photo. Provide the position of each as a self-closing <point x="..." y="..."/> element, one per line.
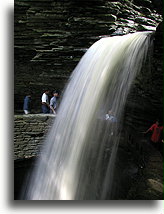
<point x="77" y="161"/>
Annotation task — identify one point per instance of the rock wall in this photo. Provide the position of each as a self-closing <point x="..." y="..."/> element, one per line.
<point x="29" y="133"/>
<point x="138" y="169"/>
<point x="147" y="184"/>
<point x="145" y="101"/>
<point x="51" y="36"/>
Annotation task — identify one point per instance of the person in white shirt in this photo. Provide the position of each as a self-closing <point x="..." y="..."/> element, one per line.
<point x="45" y="102"/>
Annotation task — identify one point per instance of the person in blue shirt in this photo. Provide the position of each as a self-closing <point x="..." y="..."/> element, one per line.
<point x="53" y="102"/>
<point x="27" y="104"/>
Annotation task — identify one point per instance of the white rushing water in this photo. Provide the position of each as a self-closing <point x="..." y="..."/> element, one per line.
<point x="78" y="157"/>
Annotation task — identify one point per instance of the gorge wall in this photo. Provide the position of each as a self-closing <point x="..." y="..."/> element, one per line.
<point x="29" y="133"/>
<point x="145" y="101"/>
<point x="51" y="36"/>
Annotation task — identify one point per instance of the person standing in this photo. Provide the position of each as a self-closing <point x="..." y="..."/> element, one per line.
<point x="45" y="102"/>
<point x="53" y="102"/>
<point x="156" y="137"/>
<point x="27" y="104"/>
<point x="113" y="122"/>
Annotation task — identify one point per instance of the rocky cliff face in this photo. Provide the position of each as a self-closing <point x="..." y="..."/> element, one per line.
<point x="51" y="36"/>
<point x="145" y="101"/>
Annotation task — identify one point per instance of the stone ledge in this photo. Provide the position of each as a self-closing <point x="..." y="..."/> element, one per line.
<point x="33" y="116"/>
<point x="29" y="133"/>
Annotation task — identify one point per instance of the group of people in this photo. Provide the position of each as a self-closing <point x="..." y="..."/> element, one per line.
<point x="50" y="107"/>
<point x="47" y="106"/>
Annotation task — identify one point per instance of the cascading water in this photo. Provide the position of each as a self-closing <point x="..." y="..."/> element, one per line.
<point x="78" y="156"/>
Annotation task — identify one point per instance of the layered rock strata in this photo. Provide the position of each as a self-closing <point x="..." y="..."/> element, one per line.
<point x="51" y="36"/>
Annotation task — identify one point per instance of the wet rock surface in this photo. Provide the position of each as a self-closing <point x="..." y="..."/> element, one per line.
<point x="145" y="101"/>
<point x="149" y="184"/>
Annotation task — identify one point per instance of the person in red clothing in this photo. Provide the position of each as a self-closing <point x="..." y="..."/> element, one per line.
<point x="156" y="137"/>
